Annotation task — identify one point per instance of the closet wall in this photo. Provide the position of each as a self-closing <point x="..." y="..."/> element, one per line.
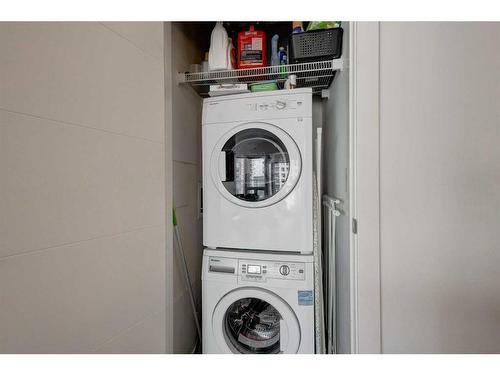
<point x="186" y="148"/>
<point x="336" y="185"/>
<point x="82" y="188"/>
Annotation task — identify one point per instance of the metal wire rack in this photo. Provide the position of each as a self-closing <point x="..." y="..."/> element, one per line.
<point x="318" y="75"/>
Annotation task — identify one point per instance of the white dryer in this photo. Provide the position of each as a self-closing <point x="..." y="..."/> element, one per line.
<point x="258" y="303"/>
<point x="257" y="171"/>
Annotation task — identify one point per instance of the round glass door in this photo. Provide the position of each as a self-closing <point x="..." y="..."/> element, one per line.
<point x="256" y="321"/>
<point x="252" y="326"/>
<point x="256" y="165"/>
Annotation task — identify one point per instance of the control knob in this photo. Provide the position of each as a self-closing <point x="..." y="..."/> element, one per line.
<point x="284" y="270"/>
<point x="280" y="104"/>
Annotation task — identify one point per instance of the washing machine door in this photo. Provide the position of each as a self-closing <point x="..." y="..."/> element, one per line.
<point x="255" y="164"/>
<point x="255" y="321"/>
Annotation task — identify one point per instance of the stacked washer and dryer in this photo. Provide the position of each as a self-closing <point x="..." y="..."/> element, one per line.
<point x="258" y="267"/>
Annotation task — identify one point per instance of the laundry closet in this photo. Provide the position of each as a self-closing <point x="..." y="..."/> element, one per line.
<point x="101" y="134"/>
<point x="186" y="47"/>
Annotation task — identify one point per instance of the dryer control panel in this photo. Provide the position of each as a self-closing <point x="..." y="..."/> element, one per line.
<point x="279" y="104"/>
<point x="252" y="270"/>
<point x="265" y="106"/>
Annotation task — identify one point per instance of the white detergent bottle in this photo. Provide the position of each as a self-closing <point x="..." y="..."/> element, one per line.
<point x="218" y="52"/>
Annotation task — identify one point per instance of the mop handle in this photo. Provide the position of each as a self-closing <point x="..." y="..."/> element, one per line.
<point x="186" y="272"/>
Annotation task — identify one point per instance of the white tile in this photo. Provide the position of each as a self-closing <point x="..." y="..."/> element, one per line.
<point x="81" y="73"/>
<point x="179" y="283"/>
<point x="72" y="298"/>
<point x="146" y="337"/>
<point x="190" y="232"/>
<point x="186" y="103"/>
<point x="186" y="50"/>
<point x="185" y="181"/>
<point x="148" y="36"/>
<point x="62" y="183"/>
<point x="186" y="126"/>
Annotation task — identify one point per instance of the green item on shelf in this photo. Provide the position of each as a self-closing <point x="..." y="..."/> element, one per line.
<point x="283" y="72"/>
<point x="319" y="25"/>
<point x="263" y="86"/>
<point x="283" y="61"/>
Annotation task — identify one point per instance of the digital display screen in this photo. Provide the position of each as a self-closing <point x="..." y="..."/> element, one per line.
<point x="253" y="269"/>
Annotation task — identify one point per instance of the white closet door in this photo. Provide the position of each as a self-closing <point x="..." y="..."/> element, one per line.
<point x="431" y="204"/>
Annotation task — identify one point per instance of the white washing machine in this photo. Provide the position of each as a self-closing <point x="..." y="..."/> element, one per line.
<point x="257" y="171"/>
<point x="258" y="303"/>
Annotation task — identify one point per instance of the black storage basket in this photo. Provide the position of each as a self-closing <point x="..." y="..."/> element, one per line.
<point x="316" y="45"/>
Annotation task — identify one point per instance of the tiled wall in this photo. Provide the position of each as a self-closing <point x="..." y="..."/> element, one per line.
<point x="82" y="200"/>
<point x="186" y="176"/>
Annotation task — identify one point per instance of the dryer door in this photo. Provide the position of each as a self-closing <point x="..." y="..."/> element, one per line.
<point x="255" y="321"/>
<point x="255" y="165"/>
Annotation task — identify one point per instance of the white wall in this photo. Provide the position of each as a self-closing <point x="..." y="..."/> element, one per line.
<point x="439" y="197"/>
<point x="186" y="148"/>
<point x="439" y="187"/>
<point x="336" y="164"/>
<point x="82" y="199"/>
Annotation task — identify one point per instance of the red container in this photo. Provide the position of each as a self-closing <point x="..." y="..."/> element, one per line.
<point x="251" y="49"/>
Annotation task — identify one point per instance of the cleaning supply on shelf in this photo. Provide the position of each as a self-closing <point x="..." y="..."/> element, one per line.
<point x="204" y="63"/>
<point x="319" y="25"/>
<point x="251" y="49"/>
<point x="291" y="82"/>
<point x="264" y="86"/>
<point x="297" y="27"/>
<point x="204" y="66"/>
<point x="231" y="54"/>
<point x="228" y="89"/>
<point x="275" y="59"/>
<point x="283" y="61"/>
<point x="283" y="58"/>
<point x="218" y="55"/>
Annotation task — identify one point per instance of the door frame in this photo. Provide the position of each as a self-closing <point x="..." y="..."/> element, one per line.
<point x="364" y="185"/>
<point x="169" y="188"/>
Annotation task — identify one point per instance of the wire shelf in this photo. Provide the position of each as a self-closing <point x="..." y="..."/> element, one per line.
<point x="318" y="75"/>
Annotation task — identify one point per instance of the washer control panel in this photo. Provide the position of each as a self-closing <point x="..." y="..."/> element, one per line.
<point x="252" y="270"/>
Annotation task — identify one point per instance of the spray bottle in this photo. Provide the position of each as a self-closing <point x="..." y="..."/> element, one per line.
<point x="275" y="59"/>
